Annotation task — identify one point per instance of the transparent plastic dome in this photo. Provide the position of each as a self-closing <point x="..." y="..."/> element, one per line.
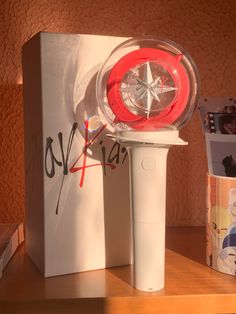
<point x="147" y="84"/>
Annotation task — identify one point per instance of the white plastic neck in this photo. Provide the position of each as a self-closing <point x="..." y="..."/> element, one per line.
<point x="157" y="138"/>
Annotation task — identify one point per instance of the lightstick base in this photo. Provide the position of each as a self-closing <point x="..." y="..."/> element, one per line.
<point x="148" y="155"/>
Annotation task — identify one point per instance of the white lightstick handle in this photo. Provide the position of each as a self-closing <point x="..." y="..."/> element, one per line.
<point x="148" y="199"/>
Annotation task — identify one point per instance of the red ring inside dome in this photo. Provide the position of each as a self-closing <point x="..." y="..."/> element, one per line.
<point x="169" y="114"/>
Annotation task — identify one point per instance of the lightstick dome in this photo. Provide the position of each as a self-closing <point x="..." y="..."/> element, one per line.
<point x="147" y="84"/>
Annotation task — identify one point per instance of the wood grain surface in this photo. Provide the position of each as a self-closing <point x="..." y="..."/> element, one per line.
<point x="190" y="286"/>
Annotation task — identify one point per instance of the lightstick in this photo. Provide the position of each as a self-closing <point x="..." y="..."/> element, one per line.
<point x="147" y="89"/>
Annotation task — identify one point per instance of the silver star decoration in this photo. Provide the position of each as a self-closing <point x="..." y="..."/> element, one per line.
<point x="148" y="88"/>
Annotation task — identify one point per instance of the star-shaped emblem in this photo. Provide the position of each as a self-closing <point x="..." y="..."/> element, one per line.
<point x="148" y="88"/>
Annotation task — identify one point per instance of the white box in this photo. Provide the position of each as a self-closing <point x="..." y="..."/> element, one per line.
<point x="75" y="221"/>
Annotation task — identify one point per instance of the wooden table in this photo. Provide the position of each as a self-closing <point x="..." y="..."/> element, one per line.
<point x="191" y="287"/>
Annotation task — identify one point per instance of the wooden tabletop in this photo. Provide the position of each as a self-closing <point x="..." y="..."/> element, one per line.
<point x="190" y="286"/>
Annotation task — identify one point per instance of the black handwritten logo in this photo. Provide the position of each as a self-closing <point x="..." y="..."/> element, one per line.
<point x="80" y="164"/>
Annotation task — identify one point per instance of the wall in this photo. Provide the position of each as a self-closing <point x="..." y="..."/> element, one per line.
<point x="206" y="30"/>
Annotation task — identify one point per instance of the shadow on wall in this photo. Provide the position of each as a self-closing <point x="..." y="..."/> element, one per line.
<point x="12" y="153"/>
<point x="179" y="242"/>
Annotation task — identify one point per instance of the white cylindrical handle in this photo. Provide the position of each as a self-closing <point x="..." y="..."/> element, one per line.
<point x="148" y="199"/>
